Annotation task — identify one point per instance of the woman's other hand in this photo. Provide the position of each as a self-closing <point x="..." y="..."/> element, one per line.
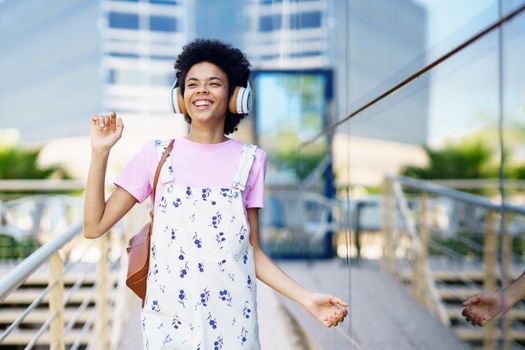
<point x="482" y="308"/>
<point x="327" y="309"/>
<point x="106" y="130"/>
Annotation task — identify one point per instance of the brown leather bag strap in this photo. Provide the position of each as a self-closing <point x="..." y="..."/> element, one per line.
<point x="157" y="173"/>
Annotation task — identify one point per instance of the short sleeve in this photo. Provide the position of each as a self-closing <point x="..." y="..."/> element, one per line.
<point x="137" y="176"/>
<point x="255" y="184"/>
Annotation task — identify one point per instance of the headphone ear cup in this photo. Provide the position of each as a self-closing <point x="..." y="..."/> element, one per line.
<point x="176" y="100"/>
<point x="241" y="100"/>
<point x="232" y="104"/>
<point x="180" y="103"/>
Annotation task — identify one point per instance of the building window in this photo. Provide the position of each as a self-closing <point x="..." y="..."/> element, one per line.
<point x="305" y="54"/>
<point x="270" y="23"/>
<point x="162" y="24"/>
<point x="161" y="79"/>
<point x="123" y="20"/>
<point x="124" y="77"/>
<point x="163" y="1"/>
<point x="305" y="20"/>
<point x="124" y="55"/>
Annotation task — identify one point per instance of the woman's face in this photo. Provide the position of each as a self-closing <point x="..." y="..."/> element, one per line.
<point x="206" y="92"/>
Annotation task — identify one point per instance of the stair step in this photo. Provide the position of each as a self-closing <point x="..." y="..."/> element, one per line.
<point x="27" y="295"/>
<point x="462" y="293"/>
<point x="23" y="337"/>
<point x="7" y="316"/>
<point x="453" y="276"/>
<point x="476" y="334"/>
<point x="69" y="278"/>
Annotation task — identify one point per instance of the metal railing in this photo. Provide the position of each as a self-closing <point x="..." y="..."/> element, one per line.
<point x="408" y="239"/>
<point x="100" y="309"/>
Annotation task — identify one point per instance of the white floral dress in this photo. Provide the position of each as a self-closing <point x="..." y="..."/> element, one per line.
<point x="201" y="283"/>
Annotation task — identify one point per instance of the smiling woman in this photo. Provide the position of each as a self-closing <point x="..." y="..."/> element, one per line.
<point x="205" y="256"/>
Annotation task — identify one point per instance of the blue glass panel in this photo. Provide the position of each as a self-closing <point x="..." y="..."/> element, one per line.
<point x="123" y="20"/>
<point x="305" y="20"/>
<point x="269" y="23"/>
<point x="163" y="24"/>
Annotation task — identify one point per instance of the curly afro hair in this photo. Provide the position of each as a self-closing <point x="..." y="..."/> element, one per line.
<point x="229" y="59"/>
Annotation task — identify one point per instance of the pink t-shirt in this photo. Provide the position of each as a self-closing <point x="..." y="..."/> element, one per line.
<point x="195" y="164"/>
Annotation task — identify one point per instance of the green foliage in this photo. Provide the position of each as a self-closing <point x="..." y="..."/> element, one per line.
<point x="11" y="249"/>
<point x="462" y="161"/>
<point x="18" y="163"/>
<point x="516" y="172"/>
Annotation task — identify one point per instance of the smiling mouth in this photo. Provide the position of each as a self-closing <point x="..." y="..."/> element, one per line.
<point x="202" y="104"/>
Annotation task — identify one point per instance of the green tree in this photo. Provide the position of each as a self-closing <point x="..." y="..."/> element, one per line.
<point x="19" y="163"/>
<point x="468" y="160"/>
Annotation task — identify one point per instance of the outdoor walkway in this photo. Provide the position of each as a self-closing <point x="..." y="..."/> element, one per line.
<point x="382" y="313"/>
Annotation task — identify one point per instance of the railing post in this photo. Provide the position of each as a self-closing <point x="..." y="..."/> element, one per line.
<point x="507" y="262"/>
<point x="490" y="260"/>
<point x="56" y="301"/>
<point x="419" y="285"/>
<point x="388" y="225"/>
<point x="103" y="292"/>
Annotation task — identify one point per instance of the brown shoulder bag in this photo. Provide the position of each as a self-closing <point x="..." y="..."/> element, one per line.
<point x="139" y="245"/>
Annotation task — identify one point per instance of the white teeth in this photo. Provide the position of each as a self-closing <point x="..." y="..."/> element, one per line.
<point x="202" y="103"/>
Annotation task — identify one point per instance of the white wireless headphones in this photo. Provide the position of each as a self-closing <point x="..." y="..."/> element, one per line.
<point x="240" y="101"/>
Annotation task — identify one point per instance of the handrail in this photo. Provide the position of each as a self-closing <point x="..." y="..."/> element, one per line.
<point x="436" y="305"/>
<point x="22" y="271"/>
<point x="477" y="183"/>
<point x="41" y="185"/>
<point x="402" y="256"/>
<point x="459" y="196"/>
<point x="59" y="266"/>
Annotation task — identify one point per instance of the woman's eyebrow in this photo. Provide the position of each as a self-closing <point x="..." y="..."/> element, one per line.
<point x="210" y="78"/>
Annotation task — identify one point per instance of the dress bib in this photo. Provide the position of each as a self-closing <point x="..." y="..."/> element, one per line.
<point x="201" y="292"/>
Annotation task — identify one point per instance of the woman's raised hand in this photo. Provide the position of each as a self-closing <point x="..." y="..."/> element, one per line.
<point x="106" y="130"/>
<point x="327" y="309"/>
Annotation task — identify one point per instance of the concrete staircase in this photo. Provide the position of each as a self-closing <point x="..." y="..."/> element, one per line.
<point x="454" y="290"/>
<point x="15" y="304"/>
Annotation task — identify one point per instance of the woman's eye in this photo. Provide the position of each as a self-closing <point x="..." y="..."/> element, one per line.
<point x="215" y="84"/>
<point x="192" y="85"/>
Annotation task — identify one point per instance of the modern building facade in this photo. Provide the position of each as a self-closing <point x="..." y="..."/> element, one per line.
<point x="363" y="42"/>
<point x="63" y="61"/>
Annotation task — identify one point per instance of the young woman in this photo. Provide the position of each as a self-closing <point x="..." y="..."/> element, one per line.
<point x="205" y="255"/>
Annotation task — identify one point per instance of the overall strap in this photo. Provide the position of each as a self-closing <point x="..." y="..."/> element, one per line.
<point x="166" y="172"/>
<point x="160" y="167"/>
<point x="245" y="164"/>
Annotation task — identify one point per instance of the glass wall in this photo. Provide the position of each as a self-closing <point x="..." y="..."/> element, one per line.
<point x="394" y="129"/>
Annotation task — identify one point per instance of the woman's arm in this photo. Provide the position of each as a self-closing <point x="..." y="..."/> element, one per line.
<point x="484" y="307"/>
<point x="327" y="309"/>
<point x="100" y="216"/>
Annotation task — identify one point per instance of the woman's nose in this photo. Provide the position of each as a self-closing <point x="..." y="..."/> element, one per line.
<point x="202" y="89"/>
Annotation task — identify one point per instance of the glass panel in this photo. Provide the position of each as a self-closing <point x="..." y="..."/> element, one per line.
<point x="270" y="23"/>
<point x="123" y="20"/>
<point x="291" y="107"/>
<point x="387" y="43"/>
<point x="163" y="24"/>
<point x="305" y="20"/>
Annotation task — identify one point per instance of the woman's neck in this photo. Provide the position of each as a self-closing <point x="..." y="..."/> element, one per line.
<point x="206" y="137"/>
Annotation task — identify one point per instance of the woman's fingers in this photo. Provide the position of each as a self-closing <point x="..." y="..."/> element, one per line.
<point x="107" y="122"/>
<point x="471" y="301"/>
<point x="335" y="300"/>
